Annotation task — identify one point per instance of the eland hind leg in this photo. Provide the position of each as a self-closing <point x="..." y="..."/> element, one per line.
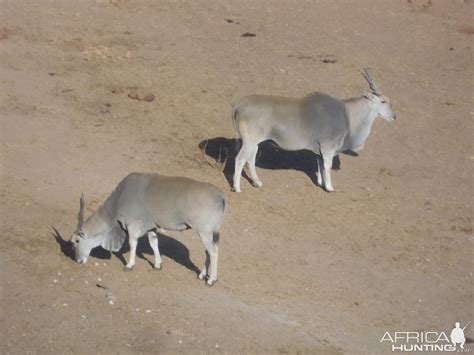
<point x="244" y="156"/>
<point x="253" y="173"/>
<point x="327" y="157"/>
<point x="319" y="175"/>
<point x="210" y="241"/>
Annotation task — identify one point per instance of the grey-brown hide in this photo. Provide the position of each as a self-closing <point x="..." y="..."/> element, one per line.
<point x="143" y="204"/>
<point x="317" y="122"/>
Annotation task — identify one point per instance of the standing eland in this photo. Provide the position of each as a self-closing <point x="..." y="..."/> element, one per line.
<point x="317" y="122"/>
<point x="150" y="203"/>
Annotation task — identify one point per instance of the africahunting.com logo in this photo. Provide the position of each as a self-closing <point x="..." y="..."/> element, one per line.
<point x="428" y="340"/>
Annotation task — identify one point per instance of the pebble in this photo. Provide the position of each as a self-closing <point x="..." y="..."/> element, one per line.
<point x="133" y="95"/>
<point x="147" y="97"/>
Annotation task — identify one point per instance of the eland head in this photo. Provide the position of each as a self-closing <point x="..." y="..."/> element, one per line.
<point x="380" y="103"/>
<point x="81" y="244"/>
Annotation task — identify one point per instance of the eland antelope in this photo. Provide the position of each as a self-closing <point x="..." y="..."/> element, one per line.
<point x="150" y="203"/>
<point x="317" y="122"/>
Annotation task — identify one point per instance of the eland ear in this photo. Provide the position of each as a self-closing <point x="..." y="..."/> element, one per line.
<point x="80" y="217"/>
<point x="369" y="95"/>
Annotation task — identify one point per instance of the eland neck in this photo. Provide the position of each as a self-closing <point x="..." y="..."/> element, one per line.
<point x="361" y="117"/>
<point x="97" y="224"/>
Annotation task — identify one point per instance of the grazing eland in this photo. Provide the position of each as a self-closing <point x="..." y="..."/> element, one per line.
<point x="150" y="203"/>
<point x="317" y="122"/>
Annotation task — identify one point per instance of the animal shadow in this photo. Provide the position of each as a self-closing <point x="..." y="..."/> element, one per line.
<point x="64" y="245"/>
<point x="269" y="156"/>
<point x="168" y="247"/>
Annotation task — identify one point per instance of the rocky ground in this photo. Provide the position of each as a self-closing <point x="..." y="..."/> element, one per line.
<point x="301" y="270"/>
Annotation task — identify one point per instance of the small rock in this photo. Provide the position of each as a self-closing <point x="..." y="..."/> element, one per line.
<point x="117" y="91"/>
<point x="133" y="95"/>
<point x="248" y="34"/>
<point x="147" y="97"/>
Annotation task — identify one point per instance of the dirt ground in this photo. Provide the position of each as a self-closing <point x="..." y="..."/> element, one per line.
<point x="300" y="269"/>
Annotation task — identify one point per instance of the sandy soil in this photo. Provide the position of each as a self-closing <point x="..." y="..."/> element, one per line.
<point x="301" y="270"/>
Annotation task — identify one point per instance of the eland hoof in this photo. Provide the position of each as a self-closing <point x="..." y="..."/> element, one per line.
<point x="157" y="267"/>
<point x="234" y="189"/>
<point x="127" y="269"/>
<point x="210" y="282"/>
<point x="257" y="183"/>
